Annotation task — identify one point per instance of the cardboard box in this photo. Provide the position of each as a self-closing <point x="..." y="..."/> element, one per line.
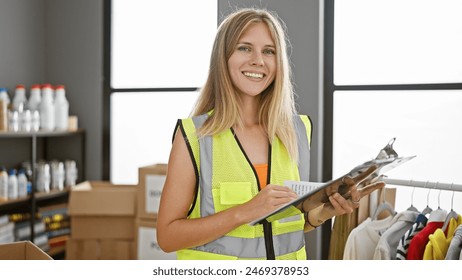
<point x="150" y="184"/>
<point x="101" y="210"/>
<point x="147" y="247"/>
<point x="22" y="250"/>
<point x="100" y="249"/>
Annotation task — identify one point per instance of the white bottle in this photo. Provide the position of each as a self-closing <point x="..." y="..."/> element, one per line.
<point x="13" y="121"/>
<point x="19" y="98"/>
<point x="35" y="121"/>
<point x="22" y="183"/>
<point x="3" y="184"/>
<point x="71" y="172"/>
<point x="47" y="109"/>
<point x="35" y="98"/>
<point x="43" y="177"/>
<point x="4" y="96"/>
<point x="61" y="109"/>
<point x="25" y="121"/>
<point x="12" y="184"/>
<point x="19" y="104"/>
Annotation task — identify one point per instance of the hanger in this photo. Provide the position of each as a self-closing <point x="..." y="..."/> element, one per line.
<point x="412" y="207"/>
<point x="451" y="214"/>
<point x="427" y="209"/>
<point x="384" y="206"/>
<point x="438" y="215"/>
<point x="439" y="195"/>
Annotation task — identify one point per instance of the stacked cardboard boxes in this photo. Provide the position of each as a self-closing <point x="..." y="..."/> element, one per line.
<point x="150" y="184"/>
<point x="102" y="221"/>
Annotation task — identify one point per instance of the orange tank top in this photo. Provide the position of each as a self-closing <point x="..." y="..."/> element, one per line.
<point x="262" y="173"/>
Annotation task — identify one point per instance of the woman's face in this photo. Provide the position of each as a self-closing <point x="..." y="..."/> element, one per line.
<point x="252" y="66"/>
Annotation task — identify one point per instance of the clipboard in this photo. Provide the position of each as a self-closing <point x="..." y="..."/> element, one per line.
<point x="319" y="193"/>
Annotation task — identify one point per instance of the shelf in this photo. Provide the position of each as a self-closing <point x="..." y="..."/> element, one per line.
<point x="22" y="203"/>
<point x="12" y="205"/>
<point x="9" y="134"/>
<point x="42" y="196"/>
<point x="41" y="146"/>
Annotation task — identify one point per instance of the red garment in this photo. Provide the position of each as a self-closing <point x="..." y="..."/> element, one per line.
<point x="419" y="241"/>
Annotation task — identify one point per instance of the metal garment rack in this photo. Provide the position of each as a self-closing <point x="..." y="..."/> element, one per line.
<point x="424" y="184"/>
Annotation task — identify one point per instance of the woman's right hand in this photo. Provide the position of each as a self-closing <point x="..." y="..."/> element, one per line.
<point x="266" y="201"/>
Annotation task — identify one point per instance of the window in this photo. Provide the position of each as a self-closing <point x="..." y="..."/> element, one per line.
<point x="395" y="70"/>
<point x="159" y="58"/>
<point x="397" y="42"/>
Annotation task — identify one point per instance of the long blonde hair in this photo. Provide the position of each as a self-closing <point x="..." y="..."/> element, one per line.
<point x="277" y="108"/>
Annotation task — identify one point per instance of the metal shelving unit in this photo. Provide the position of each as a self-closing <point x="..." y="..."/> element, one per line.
<point x="30" y="203"/>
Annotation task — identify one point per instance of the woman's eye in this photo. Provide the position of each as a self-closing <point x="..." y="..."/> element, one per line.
<point x="269" y="52"/>
<point x="243" y="49"/>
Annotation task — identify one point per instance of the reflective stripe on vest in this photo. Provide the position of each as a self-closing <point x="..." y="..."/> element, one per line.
<point x="220" y="188"/>
<point x="303" y="143"/>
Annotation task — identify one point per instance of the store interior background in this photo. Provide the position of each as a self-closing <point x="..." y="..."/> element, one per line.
<point x="62" y="42"/>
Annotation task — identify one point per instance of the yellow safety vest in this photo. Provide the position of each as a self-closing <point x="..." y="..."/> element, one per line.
<point x="226" y="178"/>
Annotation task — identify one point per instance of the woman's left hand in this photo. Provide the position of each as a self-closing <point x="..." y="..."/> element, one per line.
<point x="339" y="205"/>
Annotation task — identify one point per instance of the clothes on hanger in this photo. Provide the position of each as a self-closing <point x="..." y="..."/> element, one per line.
<point x="363" y="240"/>
<point x="455" y="247"/>
<point x="403" y="245"/>
<point x="388" y="242"/>
<point x="419" y="241"/>
<point x="439" y="241"/>
<point x="408" y="235"/>
<point x="437" y="215"/>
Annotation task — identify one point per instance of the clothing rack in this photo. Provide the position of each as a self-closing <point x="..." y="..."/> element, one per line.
<point x="423" y="184"/>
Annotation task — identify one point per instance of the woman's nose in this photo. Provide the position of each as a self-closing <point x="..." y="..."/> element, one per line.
<point x="257" y="59"/>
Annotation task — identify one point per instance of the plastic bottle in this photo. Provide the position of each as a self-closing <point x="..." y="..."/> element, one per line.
<point x="19" y="105"/>
<point x="35" y="98"/>
<point x="3" y="184"/>
<point x="13" y="121"/>
<point x="47" y="109"/>
<point x="22" y="183"/>
<point x="12" y="184"/>
<point x="4" y="96"/>
<point x="57" y="175"/>
<point x="71" y="173"/>
<point x="29" y="187"/>
<point x="27" y="166"/>
<point x="35" y="120"/>
<point x="25" y="121"/>
<point x="61" y="108"/>
<point x="19" y="98"/>
<point x="43" y="177"/>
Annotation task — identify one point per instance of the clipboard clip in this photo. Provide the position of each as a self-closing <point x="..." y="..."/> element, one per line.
<point x="388" y="151"/>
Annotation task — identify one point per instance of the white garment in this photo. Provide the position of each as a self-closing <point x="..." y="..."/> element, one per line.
<point x="438" y="215"/>
<point x="363" y="239"/>
<point x="388" y="242"/>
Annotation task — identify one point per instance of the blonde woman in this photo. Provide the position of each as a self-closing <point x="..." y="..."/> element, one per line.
<point x="229" y="160"/>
